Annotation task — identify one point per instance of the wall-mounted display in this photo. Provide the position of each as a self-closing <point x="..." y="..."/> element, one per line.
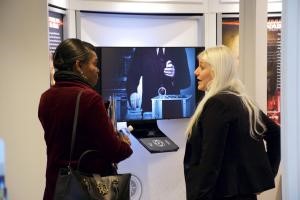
<point x="149" y="82"/>
<point x="55" y="35"/>
<point x="55" y="26"/>
<point x="273" y="70"/>
<point x="230" y="33"/>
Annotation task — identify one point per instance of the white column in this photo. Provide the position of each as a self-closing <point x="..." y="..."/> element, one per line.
<point x="70" y="24"/>
<point x="290" y="96"/>
<point x="253" y="48"/>
<point x="210" y="29"/>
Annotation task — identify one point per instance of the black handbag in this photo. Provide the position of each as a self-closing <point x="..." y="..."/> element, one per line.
<point x="76" y="185"/>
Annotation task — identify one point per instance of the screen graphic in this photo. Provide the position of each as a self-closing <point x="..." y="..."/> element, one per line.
<point x="149" y="83"/>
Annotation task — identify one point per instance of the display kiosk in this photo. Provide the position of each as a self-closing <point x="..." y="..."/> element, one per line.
<point x="151" y="137"/>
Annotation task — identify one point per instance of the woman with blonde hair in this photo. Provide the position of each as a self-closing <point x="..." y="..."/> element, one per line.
<point x="225" y="156"/>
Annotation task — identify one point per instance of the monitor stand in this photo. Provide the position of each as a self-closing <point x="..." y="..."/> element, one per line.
<point x="151" y="137"/>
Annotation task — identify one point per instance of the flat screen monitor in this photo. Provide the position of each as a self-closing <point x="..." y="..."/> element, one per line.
<point x="149" y="83"/>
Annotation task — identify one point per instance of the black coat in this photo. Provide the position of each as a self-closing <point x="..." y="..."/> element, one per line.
<point x="222" y="159"/>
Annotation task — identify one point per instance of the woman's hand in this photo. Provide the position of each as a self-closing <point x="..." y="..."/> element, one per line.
<point x="124" y="138"/>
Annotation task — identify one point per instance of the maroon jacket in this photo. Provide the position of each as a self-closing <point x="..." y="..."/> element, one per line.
<point x="94" y="131"/>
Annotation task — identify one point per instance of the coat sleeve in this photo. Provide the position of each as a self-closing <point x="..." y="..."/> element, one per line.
<point x="272" y="138"/>
<point x="202" y="177"/>
<point x="102" y="134"/>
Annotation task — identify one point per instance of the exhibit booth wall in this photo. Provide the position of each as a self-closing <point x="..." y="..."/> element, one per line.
<point x="107" y="29"/>
<point x="156" y="176"/>
<point x="25" y="75"/>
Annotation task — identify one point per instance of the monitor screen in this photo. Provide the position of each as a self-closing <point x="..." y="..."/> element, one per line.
<point x="149" y="83"/>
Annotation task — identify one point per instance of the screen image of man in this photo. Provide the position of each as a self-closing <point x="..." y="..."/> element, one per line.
<point x="164" y="71"/>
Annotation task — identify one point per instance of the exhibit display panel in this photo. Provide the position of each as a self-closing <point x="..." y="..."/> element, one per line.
<point x="148" y="84"/>
<point x="55" y="35"/>
<point x="128" y="31"/>
<point x="136" y="79"/>
<point x="55" y="26"/>
<point x="274" y="67"/>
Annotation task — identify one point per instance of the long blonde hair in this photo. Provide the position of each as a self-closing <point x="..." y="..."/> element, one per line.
<point x="225" y="80"/>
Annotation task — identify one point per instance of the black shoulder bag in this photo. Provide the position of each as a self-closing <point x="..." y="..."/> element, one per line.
<point x="76" y="185"/>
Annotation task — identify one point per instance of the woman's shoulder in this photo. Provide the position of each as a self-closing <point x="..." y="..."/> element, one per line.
<point x="90" y="93"/>
<point x="223" y="104"/>
<point x="226" y="98"/>
<point x="229" y="103"/>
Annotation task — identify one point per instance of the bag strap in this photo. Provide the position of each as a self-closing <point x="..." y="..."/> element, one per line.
<point x="114" y="166"/>
<point x="74" y="127"/>
<point x="74" y="137"/>
<point x="84" y="154"/>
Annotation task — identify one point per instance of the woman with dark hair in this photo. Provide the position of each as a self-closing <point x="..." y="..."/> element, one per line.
<point x="75" y="62"/>
<point x="225" y="156"/>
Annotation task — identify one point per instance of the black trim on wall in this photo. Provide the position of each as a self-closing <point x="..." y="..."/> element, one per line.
<point x="153" y="14"/>
<point x="54" y="6"/>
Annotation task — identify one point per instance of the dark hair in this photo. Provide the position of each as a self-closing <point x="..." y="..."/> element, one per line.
<point x="70" y="50"/>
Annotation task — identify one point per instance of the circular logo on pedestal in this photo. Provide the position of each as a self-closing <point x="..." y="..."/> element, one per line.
<point x="135" y="188"/>
<point x="158" y="142"/>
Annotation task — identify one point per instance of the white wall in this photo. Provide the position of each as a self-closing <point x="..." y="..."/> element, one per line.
<point x="24" y="75"/>
<point x="59" y="3"/>
<point x="141" y="30"/>
<point x="165" y="6"/>
<point x="141" y="6"/>
<point x="161" y="175"/>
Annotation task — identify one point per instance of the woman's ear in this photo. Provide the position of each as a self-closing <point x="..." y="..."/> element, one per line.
<point x="77" y="67"/>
